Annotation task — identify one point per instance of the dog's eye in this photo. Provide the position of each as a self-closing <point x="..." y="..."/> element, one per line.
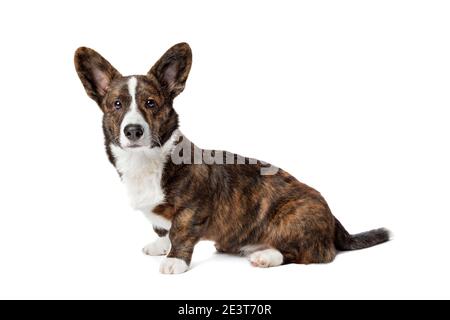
<point x="150" y="103"/>
<point x="117" y="104"/>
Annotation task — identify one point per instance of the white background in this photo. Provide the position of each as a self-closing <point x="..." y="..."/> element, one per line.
<point x="351" y="97"/>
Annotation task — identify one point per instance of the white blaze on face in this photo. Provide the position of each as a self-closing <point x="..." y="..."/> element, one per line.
<point x="133" y="116"/>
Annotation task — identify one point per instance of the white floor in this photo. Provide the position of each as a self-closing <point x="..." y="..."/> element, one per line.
<point x="104" y="260"/>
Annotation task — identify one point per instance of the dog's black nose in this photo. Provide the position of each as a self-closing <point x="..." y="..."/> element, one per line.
<point x="133" y="132"/>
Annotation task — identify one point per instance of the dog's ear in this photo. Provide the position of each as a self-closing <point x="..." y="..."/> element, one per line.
<point x="95" y="72"/>
<point x="172" y="69"/>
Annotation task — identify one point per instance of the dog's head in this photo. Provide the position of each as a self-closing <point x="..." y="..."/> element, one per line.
<point x="137" y="110"/>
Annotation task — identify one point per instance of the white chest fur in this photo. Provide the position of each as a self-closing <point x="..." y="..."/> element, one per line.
<point x="141" y="175"/>
<point x="141" y="170"/>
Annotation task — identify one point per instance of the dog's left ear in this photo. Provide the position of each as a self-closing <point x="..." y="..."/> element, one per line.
<point x="172" y="69"/>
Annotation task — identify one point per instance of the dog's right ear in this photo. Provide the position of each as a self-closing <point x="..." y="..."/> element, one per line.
<point x="95" y="72"/>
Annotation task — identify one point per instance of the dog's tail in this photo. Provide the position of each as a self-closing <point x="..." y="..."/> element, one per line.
<point x="345" y="241"/>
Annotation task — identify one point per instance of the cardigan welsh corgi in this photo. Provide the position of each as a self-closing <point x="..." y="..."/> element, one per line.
<point x="245" y="206"/>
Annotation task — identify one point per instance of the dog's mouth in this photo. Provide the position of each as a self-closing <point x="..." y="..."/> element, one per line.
<point x="134" y="146"/>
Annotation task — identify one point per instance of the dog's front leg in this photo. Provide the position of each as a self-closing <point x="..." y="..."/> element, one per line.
<point x="187" y="228"/>
<point x="160" y="246"/>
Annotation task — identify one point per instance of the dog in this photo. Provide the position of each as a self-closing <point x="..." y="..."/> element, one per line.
<point x="189" y="194"/>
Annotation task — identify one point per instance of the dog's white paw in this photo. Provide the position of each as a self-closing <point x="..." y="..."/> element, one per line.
<point x="173" y="266"/>
<point x="266" y="258"/>
<point x="159" y="247"/>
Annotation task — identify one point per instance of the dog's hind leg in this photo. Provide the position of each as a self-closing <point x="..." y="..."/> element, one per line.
<point x="266" y="258"/>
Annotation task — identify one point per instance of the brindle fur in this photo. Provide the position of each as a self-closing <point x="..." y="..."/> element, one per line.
<point x="231" y="204"/>
<point x="234" y="205"/>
